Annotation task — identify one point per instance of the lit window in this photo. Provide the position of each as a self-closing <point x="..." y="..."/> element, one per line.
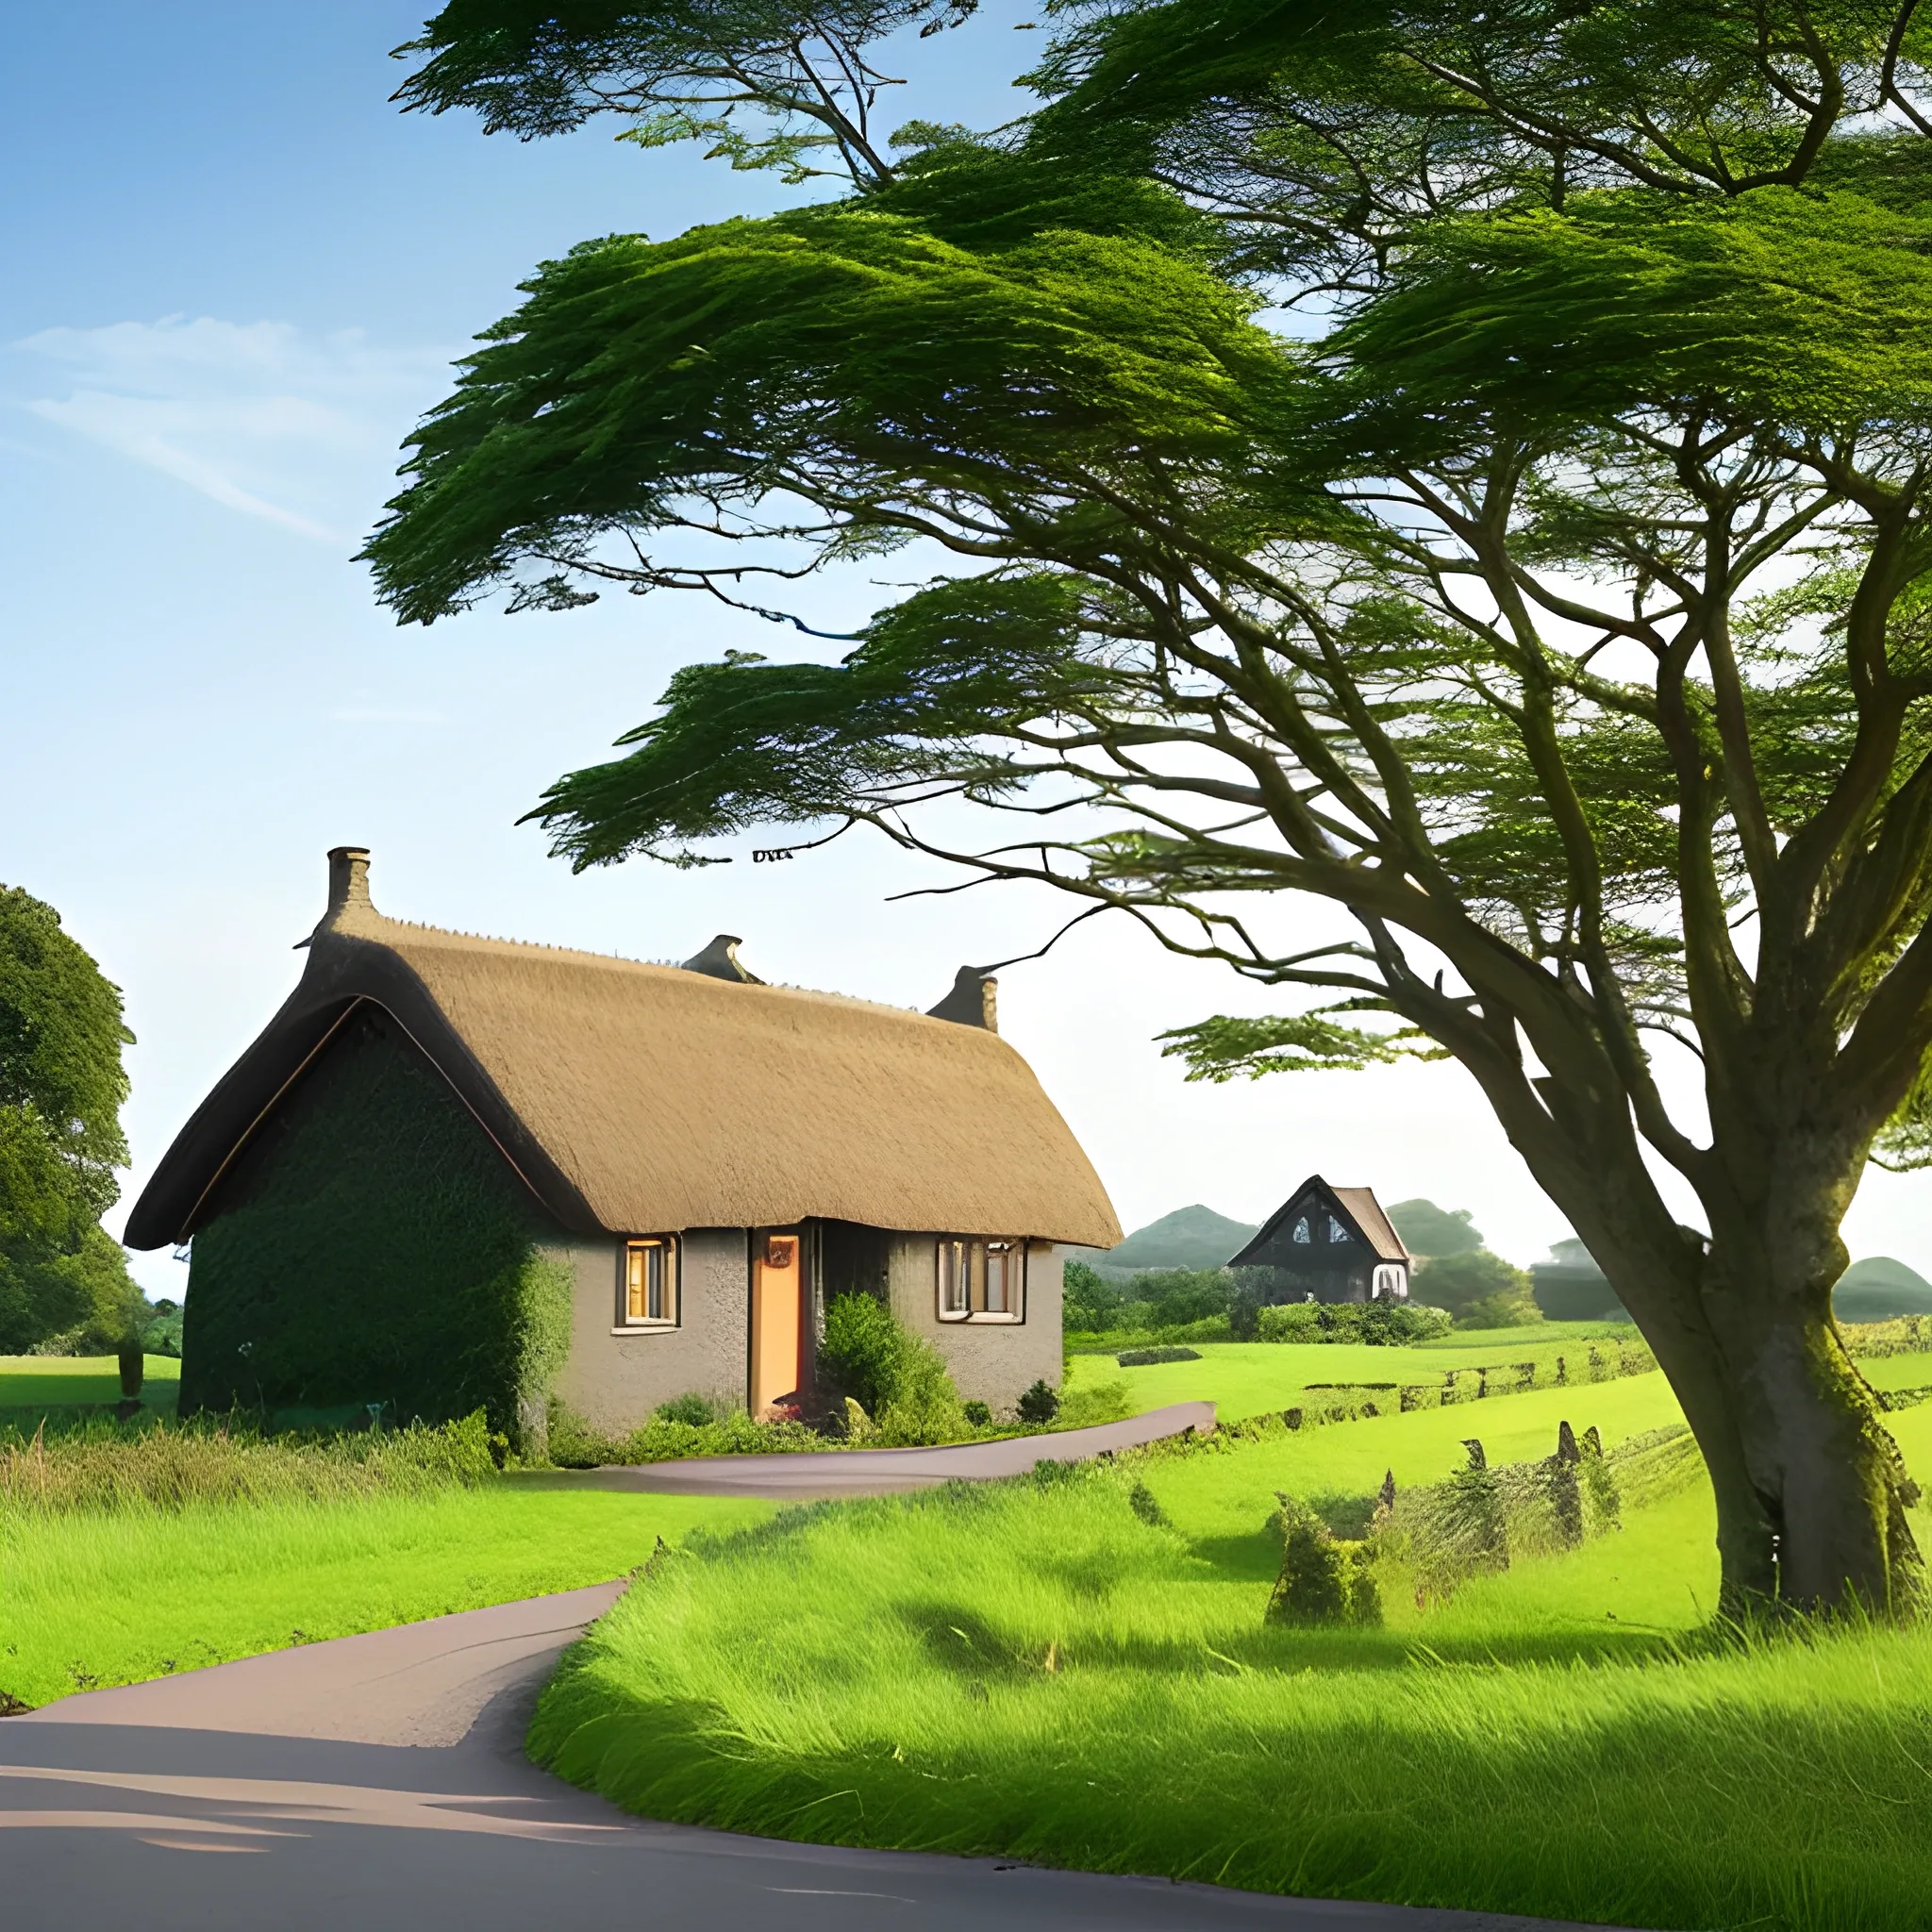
<point x="1390" y="1284"/>
<point x="650" y="1281"/>
<point x="982" y="1281"/>
<point x="1301" y="1231"/>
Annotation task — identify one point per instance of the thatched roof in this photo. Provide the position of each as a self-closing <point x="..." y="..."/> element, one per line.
<point x="634" y="1098"/>
<point x="1356" y="1207"/>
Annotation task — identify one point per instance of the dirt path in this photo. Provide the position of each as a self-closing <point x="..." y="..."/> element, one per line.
<point x="379" y="1781"/>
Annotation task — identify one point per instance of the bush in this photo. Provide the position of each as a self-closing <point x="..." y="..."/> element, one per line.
<point x="978" y="1414"/>
<point x="1039" y="1405"/>
<point x="1480" y="1290"/>
<point x="900" y="1381"/>
<point x="1322" y="1581"/>
<point x="1392" y="1324"/>
<point x="1146" y="1358"/>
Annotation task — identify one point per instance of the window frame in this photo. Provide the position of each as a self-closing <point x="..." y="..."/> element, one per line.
<point x="671" y="1285"/>
<point x="972" y="1253"/>
<point x="1397" y="1284"/>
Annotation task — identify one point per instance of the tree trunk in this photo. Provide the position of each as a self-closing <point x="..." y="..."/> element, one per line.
<point x="1811" y="1490"/>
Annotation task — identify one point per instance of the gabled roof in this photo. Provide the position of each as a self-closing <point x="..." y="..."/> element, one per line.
<point x="1356" y="1208"/>
<point x="634" y="1098"/>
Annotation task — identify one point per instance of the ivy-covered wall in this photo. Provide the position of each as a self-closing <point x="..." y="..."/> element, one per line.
<point x="370" y="1245"/>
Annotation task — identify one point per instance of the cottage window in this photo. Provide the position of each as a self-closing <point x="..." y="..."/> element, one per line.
<point x="1388" y="1284"/>
<point x="650" y="1282"/>
<point x="982" y="1280"/>
<point x="1301" y="1231"/>
<point x="1337" y="1233"/>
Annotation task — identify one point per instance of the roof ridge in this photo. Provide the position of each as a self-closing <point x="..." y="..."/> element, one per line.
<point x="358" y="926"/>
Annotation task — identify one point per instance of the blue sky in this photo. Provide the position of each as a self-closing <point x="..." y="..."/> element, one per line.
<point x="236" y="275"/>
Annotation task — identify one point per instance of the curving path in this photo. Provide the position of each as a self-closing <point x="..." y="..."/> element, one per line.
<point x="879" y="1472"/>
<point x="379" y="1782"/>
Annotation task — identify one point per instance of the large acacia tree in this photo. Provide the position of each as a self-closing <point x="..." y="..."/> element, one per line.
<point x="1555" y="599"/>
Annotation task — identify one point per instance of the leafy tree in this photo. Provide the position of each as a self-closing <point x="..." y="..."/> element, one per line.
<point x="1479" y="1288"/>
<point x="1427" y="1230"/>
<point x="1555" y="611"/>
<point x="1089" y="1300"/>
<point x="62" y="1086"/>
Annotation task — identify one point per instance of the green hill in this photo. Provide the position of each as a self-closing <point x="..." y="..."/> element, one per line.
<point x="1193" y="1237"/>
<point x="1877" y="1289"/>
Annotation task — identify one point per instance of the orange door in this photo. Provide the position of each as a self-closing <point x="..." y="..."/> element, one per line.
<point x="776" y="1305"/>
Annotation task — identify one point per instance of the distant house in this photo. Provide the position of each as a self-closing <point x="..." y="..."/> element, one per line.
<point x="1331" y="1244"/>
<point x="457" y="1172"/>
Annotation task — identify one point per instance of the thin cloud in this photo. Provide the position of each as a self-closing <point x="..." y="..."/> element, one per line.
<point x="267" y="420"/>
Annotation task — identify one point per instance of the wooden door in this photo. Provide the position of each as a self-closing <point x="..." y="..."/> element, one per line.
<point x="777" y="1304"/>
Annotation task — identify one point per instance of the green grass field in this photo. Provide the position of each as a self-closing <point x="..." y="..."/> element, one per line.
<point x="30" y="1382"/>
<point x="128" y="1552"/>
<point x="1035" y="1671"/>
<point x="1246" y="1379"/>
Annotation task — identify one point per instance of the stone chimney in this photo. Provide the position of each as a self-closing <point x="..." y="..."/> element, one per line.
<point x="720" y="961"/>
<point x="973" y="1001"/>
<point x="348" y="882"/>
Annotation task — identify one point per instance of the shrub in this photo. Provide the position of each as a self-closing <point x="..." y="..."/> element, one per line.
<point x="1146" y="1358"/>
<point x="1039" y="1405"/>
<point x="1322" y="1581"/>
<point x="860" y="1354"/>
<point x="978" y="1414"/>
<point x="900" y="1381"/>
<point x="1480" y="1290"/>
<point x="1390" y="1324"/>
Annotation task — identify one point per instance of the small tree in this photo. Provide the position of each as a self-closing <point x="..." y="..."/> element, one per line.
<point x="1479" y="1288"/>
<point x="1560" y="620"/>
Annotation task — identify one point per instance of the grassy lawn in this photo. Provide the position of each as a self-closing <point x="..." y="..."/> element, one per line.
<point x="96" y="1597"/>
<point x="1036" y="1669"/>
<point x="55" y="1381"/>
<point x="1247" y="1377"/>
<point x="1250" y="1377"/>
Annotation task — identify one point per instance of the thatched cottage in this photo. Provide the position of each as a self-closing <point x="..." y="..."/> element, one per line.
<point x="455" y="1172"/>
<point x="1331" y="1244"/>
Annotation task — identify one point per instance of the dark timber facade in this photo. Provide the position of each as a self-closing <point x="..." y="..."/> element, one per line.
<point x="1330" y="1244"/>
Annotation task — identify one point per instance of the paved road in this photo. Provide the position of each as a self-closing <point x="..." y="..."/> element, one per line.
<point x="379" y="1782"/>
<point x="878" y="1472"/>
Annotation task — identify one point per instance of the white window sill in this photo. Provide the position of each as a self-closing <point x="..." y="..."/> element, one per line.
<point x="982" y="1321"/>
<point x="645" y="1329"/>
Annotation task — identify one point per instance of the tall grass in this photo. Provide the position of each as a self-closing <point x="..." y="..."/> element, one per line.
<point x="100" y="1466"/>
<point x="1037" y="1670"/>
